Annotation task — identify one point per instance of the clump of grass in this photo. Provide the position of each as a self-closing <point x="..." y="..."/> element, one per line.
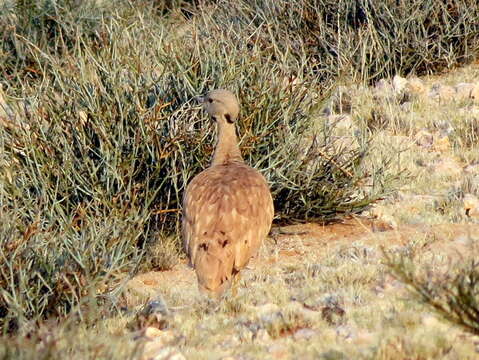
<point x="283" y="323"/>
<point x="161" y="254"/>
<point x="466" y="132"/>
<point x="454" y="295"/>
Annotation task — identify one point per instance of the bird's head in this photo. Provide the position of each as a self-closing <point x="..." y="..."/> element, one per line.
<point x="221" y="105"/>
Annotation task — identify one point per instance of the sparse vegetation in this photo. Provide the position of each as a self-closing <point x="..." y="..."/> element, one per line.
<point x="99" y="135"/>
<point x="453" y="295"/>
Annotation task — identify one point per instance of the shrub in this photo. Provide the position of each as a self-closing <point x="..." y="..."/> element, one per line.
<point x="47" y="271"/>
<point x="453" y="295"/>
<point x="367" y="40"/>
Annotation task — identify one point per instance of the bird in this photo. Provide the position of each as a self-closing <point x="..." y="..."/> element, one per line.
<point x="227" y="208"/>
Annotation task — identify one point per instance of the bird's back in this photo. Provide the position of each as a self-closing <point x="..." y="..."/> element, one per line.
<point x="228" y="211"/>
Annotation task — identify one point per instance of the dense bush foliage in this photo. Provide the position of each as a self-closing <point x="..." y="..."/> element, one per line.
<point x="365" y="40"/>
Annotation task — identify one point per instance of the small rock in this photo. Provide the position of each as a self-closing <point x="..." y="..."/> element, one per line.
<point x="465" y="240"/>
<point x="154" y="314"/>
<point x="430" y="321"/>
<point x="157" y="344"/>
<point x="406" y="106"/>
<point x="383" y="87"/>
<point x="415" y="86"/>
<point x="445" y="128"/>
<point x="152" y="332"/>
<point x="163" y="353"/>
<point x="446" y="167"/>
<point x="342" y="123"/>
<point x="346" y="332"/>
<point x="384" y="221"/>
<point x="278" y="351"/>
<point x="364" y="338"/>
<point x="304" y="334"/>
<point x="272" y="318"/>
<point x="424" y="139"/>
<point x="381" y="226"/>
<point x="262" y="336"/>
<point x="466" y="91"/>
<point x="441" y="144"/>
<point x="344" y="143"/>
<point x="142" y="288"/>
<point x="442" y="92"/>
<point x="266" y="309"/>
<point x="472" y="169"/>
<point x="399" y="84"/>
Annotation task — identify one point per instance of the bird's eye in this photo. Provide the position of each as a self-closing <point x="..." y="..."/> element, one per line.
<point x="210" y="100"/>
<point x="214" y="118"/>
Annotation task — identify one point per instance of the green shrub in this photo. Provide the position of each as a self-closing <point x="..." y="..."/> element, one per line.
<point x="46" y="270"/>
<point x="365" y="40"/>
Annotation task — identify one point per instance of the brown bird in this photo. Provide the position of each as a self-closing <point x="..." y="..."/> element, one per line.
<point x="227" y="208"/>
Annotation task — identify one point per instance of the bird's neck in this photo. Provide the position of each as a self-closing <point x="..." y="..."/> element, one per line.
<point x="227" y="149"/>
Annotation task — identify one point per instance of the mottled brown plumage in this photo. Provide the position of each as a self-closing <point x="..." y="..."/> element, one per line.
<point x="227" y="208"/>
